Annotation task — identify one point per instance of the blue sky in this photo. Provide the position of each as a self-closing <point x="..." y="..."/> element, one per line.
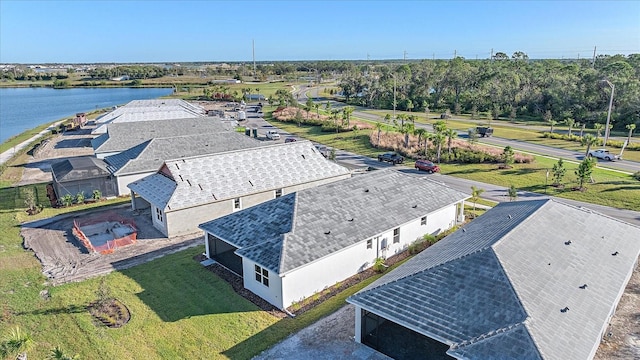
<point x="173" y="31"/>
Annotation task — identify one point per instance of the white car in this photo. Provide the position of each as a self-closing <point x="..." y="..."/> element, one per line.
<point x="273" y="135"/>
<point x="603" y="154"/>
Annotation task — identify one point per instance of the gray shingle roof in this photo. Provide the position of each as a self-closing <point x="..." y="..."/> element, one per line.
<point x="547" y="250"/>
<point x="150" y="155"/>
<point x="377" y="202"/>
<point x="122" y="136"/>
<point x="209" y="178"/>
<point x="153" y="105"/>
<point x="79" y="168"/>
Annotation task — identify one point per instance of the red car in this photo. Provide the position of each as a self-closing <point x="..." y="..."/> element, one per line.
<point x="426" y="165"/>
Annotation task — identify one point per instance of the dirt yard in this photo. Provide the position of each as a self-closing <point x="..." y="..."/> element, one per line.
<point x="65" y="259"/>
<point x="622" y="340"/>
<point x="59" y="147"/>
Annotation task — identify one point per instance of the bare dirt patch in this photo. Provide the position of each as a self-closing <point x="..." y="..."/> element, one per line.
<point x="69" y="144"/>
<point x="65" y="259"/>
<point x="622" y="339"/>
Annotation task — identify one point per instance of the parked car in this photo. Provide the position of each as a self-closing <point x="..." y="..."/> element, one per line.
<point x="273" y="135"/>
<point x="290" y="139"/>
<point x="603" y="154"/>
<point x="323" y="150"/>
<point x="426" y="165"/>
<point x="391" y="157"/>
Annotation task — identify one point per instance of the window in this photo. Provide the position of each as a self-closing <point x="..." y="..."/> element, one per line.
<point x="236" y="204"/>
<point x="278" y="193"/>
<point x="262" y="275"/>
<point x="159" y="214"/>
<point x="396" y="235"/>
<point x="423" y="221"/>
<point x="369" y="244"/>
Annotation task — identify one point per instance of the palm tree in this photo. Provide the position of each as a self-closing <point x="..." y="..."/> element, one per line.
<point x="552" y="123"/>
<point x="308" y="106"/>
<point x="475" y="195"/>
<point x="450" y="134"/>
<point x="379" y="129"/>
<point x="588" y="140"/>
<point x="58" y="354"/>
<point x="17" y="344"/>
<point x="570" y="122"/>
<point x="406" y="130"/>
<point x="630" y="127"/>
<point x="419" y="132"/>
<point x="598" y="128"/>
<point x="317" y="106"/>
<point x="438" y="139"/>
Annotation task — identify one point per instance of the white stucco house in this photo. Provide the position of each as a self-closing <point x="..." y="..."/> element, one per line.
<point x="289" y="248"/>
<point x="123" y="136"/>
<point x="146" y="158"/>
<point x="192" y="190"/>
<point x="533" y="279"/>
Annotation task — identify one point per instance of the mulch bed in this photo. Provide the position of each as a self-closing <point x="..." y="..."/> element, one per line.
<point x="113" y="313"/>
<point x="237" y="284"/>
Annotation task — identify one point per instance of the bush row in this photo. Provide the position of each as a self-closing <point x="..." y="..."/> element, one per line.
<point x="575" y="138"/>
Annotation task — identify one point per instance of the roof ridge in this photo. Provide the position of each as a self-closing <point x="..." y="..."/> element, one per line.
<point x="487" y="335"/>
<point x="258" y="148"/>
<point x="592" y="211"/>
<point x="285" y="236"/>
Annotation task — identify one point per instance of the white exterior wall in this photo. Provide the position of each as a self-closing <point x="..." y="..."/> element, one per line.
<point x="272" y="294"/>
<point x="102" y="155"/>
<point x="315" y="277"/>
<point x="125" y="180"/>
<point x="358" y="337"/>
<point x="326" y="272"/>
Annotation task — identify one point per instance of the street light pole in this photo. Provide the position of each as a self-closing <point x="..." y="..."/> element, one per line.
<point x="606" y="129"/>
<point x="394" y="97"/>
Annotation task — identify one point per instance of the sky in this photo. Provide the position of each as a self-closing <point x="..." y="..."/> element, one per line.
<point x="215" y="31"/>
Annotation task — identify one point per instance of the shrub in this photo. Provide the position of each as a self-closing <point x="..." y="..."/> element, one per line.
<point x="379" y="265"/>
<point x="97" y="194"/>
<point x="80" y="197"/>
<point x="636" y="175"/>
<point x="67" y="200"/>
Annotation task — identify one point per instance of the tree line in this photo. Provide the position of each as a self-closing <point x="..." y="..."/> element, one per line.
<point x="504" y="87"/>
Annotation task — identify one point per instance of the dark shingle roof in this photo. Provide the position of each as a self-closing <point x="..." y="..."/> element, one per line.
<point x="150" y="155"/>
<point x="79" y="168"/>
<point x="351" y="210"/>
<point x="122" y="136"/>
<point x="547" y="251"/>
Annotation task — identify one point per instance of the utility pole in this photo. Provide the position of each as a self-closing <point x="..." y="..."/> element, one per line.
<point x="593" y="63"/>
<point x="394" y="97"/>
<point x="253" y="50"/>
<point x="405" y="55"/>
<point x="455" y="54"/>
<point x="606" y="129"/>
<point x="434" y="56"/>
<point x="491" y="58"/>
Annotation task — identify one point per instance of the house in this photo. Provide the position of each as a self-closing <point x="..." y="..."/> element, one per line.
<point x="527" y="280"/>
<point x="299" y="244"/>
<point x="123" y="136"/>
<point x="82" y="175"/>
<point x="148" y="110"/>
<point x="189" y="191"/>
<point x="146" y="158"/>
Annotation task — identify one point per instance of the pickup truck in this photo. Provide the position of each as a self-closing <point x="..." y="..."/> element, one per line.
<point x="273" y="135"/>
<point x="603" y="154"/>
<point x="391" y="157"/>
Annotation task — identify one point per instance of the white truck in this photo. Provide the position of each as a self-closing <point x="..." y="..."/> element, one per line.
<point x="273" y="135"/>
<point x="603" y="154"/>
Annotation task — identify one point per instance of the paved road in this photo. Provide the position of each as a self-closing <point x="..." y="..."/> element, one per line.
<point x="625" y="165"/>
<point x="5" y="156"/>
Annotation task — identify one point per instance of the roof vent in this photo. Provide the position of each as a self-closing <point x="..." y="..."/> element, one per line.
<point x="464" y="230"/>
<point x="414" y="206"/>
<point x="568" y="242"/>
<point x="327" y="232"/>
<point x="250" y="183"/>
<point x="584" y="286"/>
<point x="509" y="216"/>
<point x="200" y="186"/>
<point x="350" y="219"/>
<point x="303" y="156"/>
<point x="549" y="264"/>
<point x="615" y="254"/>
<point x="366" y="190"/>
<point x="564" y="310"/>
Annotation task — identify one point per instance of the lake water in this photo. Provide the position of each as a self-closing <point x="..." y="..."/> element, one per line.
<point x="25" y="108"/>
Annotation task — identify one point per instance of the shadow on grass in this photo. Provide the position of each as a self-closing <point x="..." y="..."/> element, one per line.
<point x="469" y="171"/>
<point x="177" y="287"/>
<point x="525" y="171"/>
<point x="622" y="188"/>
<point x="71" y="309"/>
